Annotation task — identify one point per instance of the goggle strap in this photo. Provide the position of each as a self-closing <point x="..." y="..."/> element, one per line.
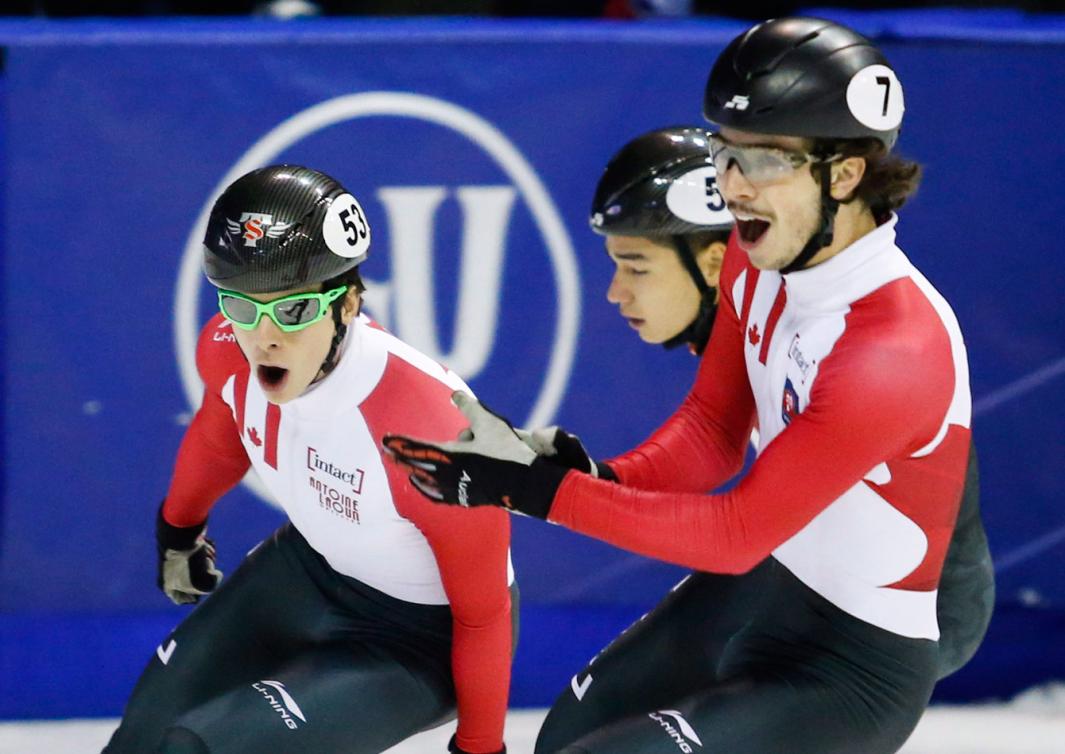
<point x="824" y="235"/>
<point x="687" y="258"/>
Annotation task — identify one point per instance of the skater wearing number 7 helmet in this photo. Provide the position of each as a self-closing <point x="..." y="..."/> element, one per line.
<point x="853" y="369"/>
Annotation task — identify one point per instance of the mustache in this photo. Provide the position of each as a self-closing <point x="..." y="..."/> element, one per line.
<point x="735" y="207"/>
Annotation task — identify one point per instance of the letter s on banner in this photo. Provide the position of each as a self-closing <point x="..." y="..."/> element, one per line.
<point x="473" y="347"/>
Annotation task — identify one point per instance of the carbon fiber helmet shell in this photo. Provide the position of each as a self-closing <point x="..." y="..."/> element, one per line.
<point x="661" y="183"/>
<point x="805" y="77"/>
<point x="283" y="227"/>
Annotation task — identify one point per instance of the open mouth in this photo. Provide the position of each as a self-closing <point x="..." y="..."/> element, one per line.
<point x="751" y="231"/>
<point x="271" y="377"/>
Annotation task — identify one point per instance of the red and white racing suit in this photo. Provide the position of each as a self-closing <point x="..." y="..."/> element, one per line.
<point x="319" y="456"/>
<point x="855" y="373"/>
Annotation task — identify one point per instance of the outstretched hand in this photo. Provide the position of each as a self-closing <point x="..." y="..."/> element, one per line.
<point x="489" y="465"/>
<point x="564" y="449"/>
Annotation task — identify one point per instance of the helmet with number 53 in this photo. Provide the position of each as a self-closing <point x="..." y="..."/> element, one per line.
<point x="283" y="227"/>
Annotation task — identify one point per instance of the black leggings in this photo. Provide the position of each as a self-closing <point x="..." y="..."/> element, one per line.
<point x="725" y="660"/>
<point x="967" y="585"/>
<point x="290" y="656"/>
<point x="799" y="676"/>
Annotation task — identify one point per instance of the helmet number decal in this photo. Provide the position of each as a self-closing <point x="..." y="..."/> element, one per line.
<point x="874" y="97"/>
<point x="355" y="231"/>
<point x="345" y="229"/>
<point x="695" y="198"/>
<point x="714" y="201"/>
<point x="885" y="82"/>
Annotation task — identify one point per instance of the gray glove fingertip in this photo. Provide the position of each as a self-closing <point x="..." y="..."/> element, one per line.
<point x="462" y="400"/>
<point x="544" y="438"/>
<point x="181" y="598"/>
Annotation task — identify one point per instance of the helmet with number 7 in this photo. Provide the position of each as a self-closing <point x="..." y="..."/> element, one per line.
<point x="283" y="227"/>
<point x="805" y="77"/>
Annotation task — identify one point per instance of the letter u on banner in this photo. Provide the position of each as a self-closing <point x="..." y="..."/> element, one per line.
<point x="410" y="297"/>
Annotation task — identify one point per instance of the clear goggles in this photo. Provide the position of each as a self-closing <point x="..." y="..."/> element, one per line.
<point x="759" y="164"/>
<point x="289" y="313"/>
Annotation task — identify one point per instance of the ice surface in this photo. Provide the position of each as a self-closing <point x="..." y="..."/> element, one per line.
<point x="1033" y="723"/>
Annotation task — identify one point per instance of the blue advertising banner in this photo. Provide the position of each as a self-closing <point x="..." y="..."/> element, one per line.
<point x="474" y="149"/>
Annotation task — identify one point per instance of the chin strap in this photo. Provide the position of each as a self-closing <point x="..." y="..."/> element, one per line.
<point x="696" y="334"/>
<point x="823" y="236"/>
<point x="340" y="330"/>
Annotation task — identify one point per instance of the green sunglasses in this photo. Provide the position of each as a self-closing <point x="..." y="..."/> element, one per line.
<point x="290" y="313"/>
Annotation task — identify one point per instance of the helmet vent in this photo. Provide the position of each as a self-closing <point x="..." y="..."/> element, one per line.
<point x="775" y="62"/>
<point x="796" y="76"/>
<point x="772" y="64"/>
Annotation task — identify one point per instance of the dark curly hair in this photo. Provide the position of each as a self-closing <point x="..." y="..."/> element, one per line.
<point x="889" y="179"/>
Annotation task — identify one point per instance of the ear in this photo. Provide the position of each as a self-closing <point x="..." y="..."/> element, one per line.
<point x="846" y="175"/>
<point x="352" y="305"/>
<point x="709" y="260"/>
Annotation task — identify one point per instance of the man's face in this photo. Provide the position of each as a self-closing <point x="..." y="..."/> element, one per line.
<point x="651" y="287"/>
<point x="774" y="218"/>
<point x="286" y="363"/>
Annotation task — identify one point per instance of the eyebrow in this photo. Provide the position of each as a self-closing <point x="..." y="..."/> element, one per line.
<point x="763" y="144"/>
<point x="628" y="256"/>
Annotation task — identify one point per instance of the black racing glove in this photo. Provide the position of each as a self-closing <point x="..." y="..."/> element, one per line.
<point x="454" y="748"/>
<point x="186" y="561"/>
<point x="565" y="449"/>
<point x="490" y="465"/>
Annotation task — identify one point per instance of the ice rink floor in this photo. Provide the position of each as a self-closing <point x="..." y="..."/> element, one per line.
<point x="1034" y="723"/>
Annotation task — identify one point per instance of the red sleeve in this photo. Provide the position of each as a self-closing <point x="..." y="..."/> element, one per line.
<point x="879" y="395"/>
<point x="211" y="459"/>
<point x="703" y="444"/>
<point x="471" y="549"/>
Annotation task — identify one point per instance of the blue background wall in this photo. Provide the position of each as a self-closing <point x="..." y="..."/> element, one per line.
<point x="116" y="136"/>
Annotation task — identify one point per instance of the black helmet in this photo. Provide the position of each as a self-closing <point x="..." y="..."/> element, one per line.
<point x="283" y="227"/>
<point x="660" y="184"/>
<point x="663" y="185"/>
<point x="805" y="77"/>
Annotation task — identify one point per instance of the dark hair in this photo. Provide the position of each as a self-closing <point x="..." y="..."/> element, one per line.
<point x="703" y="238"/>
<point x="889" y="179"/>
<point x="698" y="240"/>
<point x="350" y="278"/>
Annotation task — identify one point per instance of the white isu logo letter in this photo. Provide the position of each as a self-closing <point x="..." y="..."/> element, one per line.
<point x="680" y="737"/>
<point x="464" y="497"/>
<point x="287" y="707"/>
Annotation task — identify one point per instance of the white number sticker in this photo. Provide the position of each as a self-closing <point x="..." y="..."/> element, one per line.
<point x="874" y="97"/>
<point x="695" y="197"/>
<point x="345" y="229"/>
